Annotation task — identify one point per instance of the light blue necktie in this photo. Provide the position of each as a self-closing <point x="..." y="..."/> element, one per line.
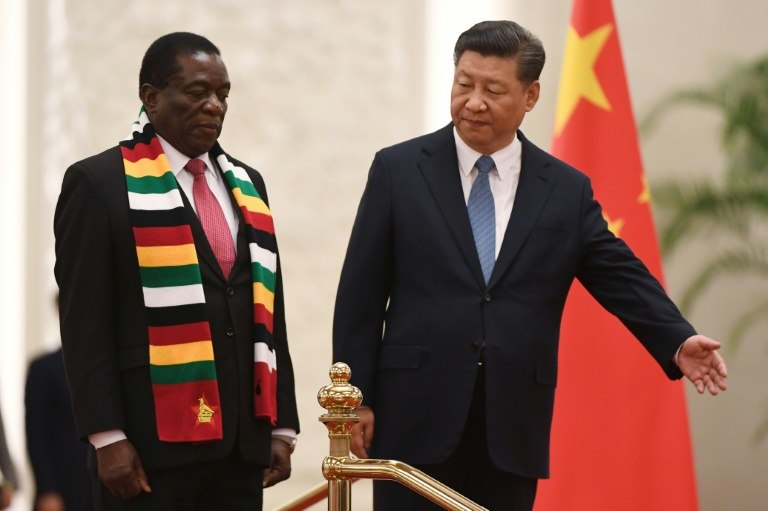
<point x="482" y="216"/>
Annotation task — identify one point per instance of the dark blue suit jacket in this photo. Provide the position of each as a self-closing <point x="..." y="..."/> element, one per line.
<point x="413" y="314"/>
<point x="55" y="451"/>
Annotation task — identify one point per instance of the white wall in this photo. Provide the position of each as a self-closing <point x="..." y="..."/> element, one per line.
<point x="13" y="225"/>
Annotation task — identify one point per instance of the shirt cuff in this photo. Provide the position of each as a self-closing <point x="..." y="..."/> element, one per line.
<point x="677" y="354"/>
<point x="284" y="432"/>
<point x="104" y="438"/>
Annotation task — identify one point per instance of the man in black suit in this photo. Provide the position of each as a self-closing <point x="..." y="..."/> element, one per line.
<point x="448" y="311"/>
<point x="172" y="316"/>
<point x="55" y="452"/>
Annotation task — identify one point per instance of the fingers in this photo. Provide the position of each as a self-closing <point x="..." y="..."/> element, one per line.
<point x="143" y="481"/>
<point x="713" y="380"/>
<point x="717" y="381"/>
<point x="708" y="344"/>
<point x="700" y="341"/>
<point x="362" y="433"/>
<point x="357" y="442"/>
<point x="719" y="364"/>
<point x="367" y="435"/>
<point x="276" y="474"/>
<point x="125" y="487"/>
<point x="280" y="470"/>
<point x="717" y="374"/>
<point x="710" y="385"/>
<point x="720" y="382"/>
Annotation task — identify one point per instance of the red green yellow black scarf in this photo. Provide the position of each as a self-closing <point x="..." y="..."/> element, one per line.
<point x="181" y="360"/>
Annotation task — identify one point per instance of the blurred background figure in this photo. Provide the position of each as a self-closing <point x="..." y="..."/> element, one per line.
<point x="57" y="456"/>
<point x="8" y="480"/>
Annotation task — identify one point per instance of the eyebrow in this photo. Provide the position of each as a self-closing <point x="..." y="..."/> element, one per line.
<point x="206" y="83"/>
<point x="491" y="81"/>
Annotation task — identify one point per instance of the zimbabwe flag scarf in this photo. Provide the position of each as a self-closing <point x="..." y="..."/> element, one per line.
<point x="181" y="359"/>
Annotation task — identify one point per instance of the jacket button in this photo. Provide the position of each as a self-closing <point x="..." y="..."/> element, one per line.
<point x="474" y="345"/>
<point x="230" y="332"/>
<point x="487" y="298"/>
<point x="230" y="291"/>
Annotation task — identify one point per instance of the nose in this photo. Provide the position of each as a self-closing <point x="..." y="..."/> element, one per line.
<point x="476" y="102"/>
<point x="215" y="105"/>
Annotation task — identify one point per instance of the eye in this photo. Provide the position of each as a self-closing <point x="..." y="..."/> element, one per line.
<point x="197" y="93"/>
<point x="495" y="92"/>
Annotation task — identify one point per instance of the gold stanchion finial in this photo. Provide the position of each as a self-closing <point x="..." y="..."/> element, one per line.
<point x="339" y="398"/>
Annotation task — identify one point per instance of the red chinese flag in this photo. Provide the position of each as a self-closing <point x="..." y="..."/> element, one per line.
<point x="620" y="436"/>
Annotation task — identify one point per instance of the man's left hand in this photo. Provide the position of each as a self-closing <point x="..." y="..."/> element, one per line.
<point x="700" y="362"/>
<point x="280" y="469"/>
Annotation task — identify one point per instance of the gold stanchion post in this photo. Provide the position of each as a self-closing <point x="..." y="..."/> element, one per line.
<point x="340" y="400"/>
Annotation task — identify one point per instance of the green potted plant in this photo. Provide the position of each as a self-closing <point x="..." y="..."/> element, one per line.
<point x="734" y="205"/>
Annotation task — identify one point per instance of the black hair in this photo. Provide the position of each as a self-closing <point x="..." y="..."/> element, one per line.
<point x="504" y="39"/>
<point x="160" y="61"/>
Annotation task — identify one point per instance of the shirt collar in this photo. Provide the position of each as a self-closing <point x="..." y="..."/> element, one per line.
<point x="177" y="159"/>
<point x="507" y="158"/>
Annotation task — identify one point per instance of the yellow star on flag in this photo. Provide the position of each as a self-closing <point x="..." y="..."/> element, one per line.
<point x="615" y="225"/>
<point x="579" y="78"/>
<point x="645" y="194"/>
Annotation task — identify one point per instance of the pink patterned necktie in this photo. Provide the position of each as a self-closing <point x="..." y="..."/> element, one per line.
<point x="212" y="217"/>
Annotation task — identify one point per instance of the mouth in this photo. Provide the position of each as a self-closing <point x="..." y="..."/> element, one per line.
<point x="475" y="123"/>
<point x="208" y="127"/>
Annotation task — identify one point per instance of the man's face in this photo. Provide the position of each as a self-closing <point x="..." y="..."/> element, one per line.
<point x="189" y="111"/>
<point x="488" y="102"/>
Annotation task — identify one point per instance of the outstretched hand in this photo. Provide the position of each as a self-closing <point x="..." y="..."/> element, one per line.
<point x="700" y="362"/>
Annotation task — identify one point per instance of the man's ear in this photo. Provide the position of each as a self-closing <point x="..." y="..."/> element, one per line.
<point x="532" y="95"/>
<point x="148" y="95"/>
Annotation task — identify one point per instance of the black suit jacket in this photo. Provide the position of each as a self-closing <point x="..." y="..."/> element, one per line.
<point x="104" y="327"/>
<point x="414" y="316"/>
<point x="55" y="452"/>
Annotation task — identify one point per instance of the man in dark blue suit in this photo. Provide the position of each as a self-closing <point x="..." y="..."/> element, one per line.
<point x="465" y="245"/>
<point x="57" y="455"/>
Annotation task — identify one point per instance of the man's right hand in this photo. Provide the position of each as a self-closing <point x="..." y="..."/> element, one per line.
<point x="362" y="433"/>
<point x="120" y="470"/>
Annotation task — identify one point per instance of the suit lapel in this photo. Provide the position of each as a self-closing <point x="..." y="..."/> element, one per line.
<point x="533" y="190"/>
<point x="441" y="172"/>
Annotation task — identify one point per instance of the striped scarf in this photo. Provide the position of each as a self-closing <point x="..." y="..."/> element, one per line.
<point x="181" y="360"/>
